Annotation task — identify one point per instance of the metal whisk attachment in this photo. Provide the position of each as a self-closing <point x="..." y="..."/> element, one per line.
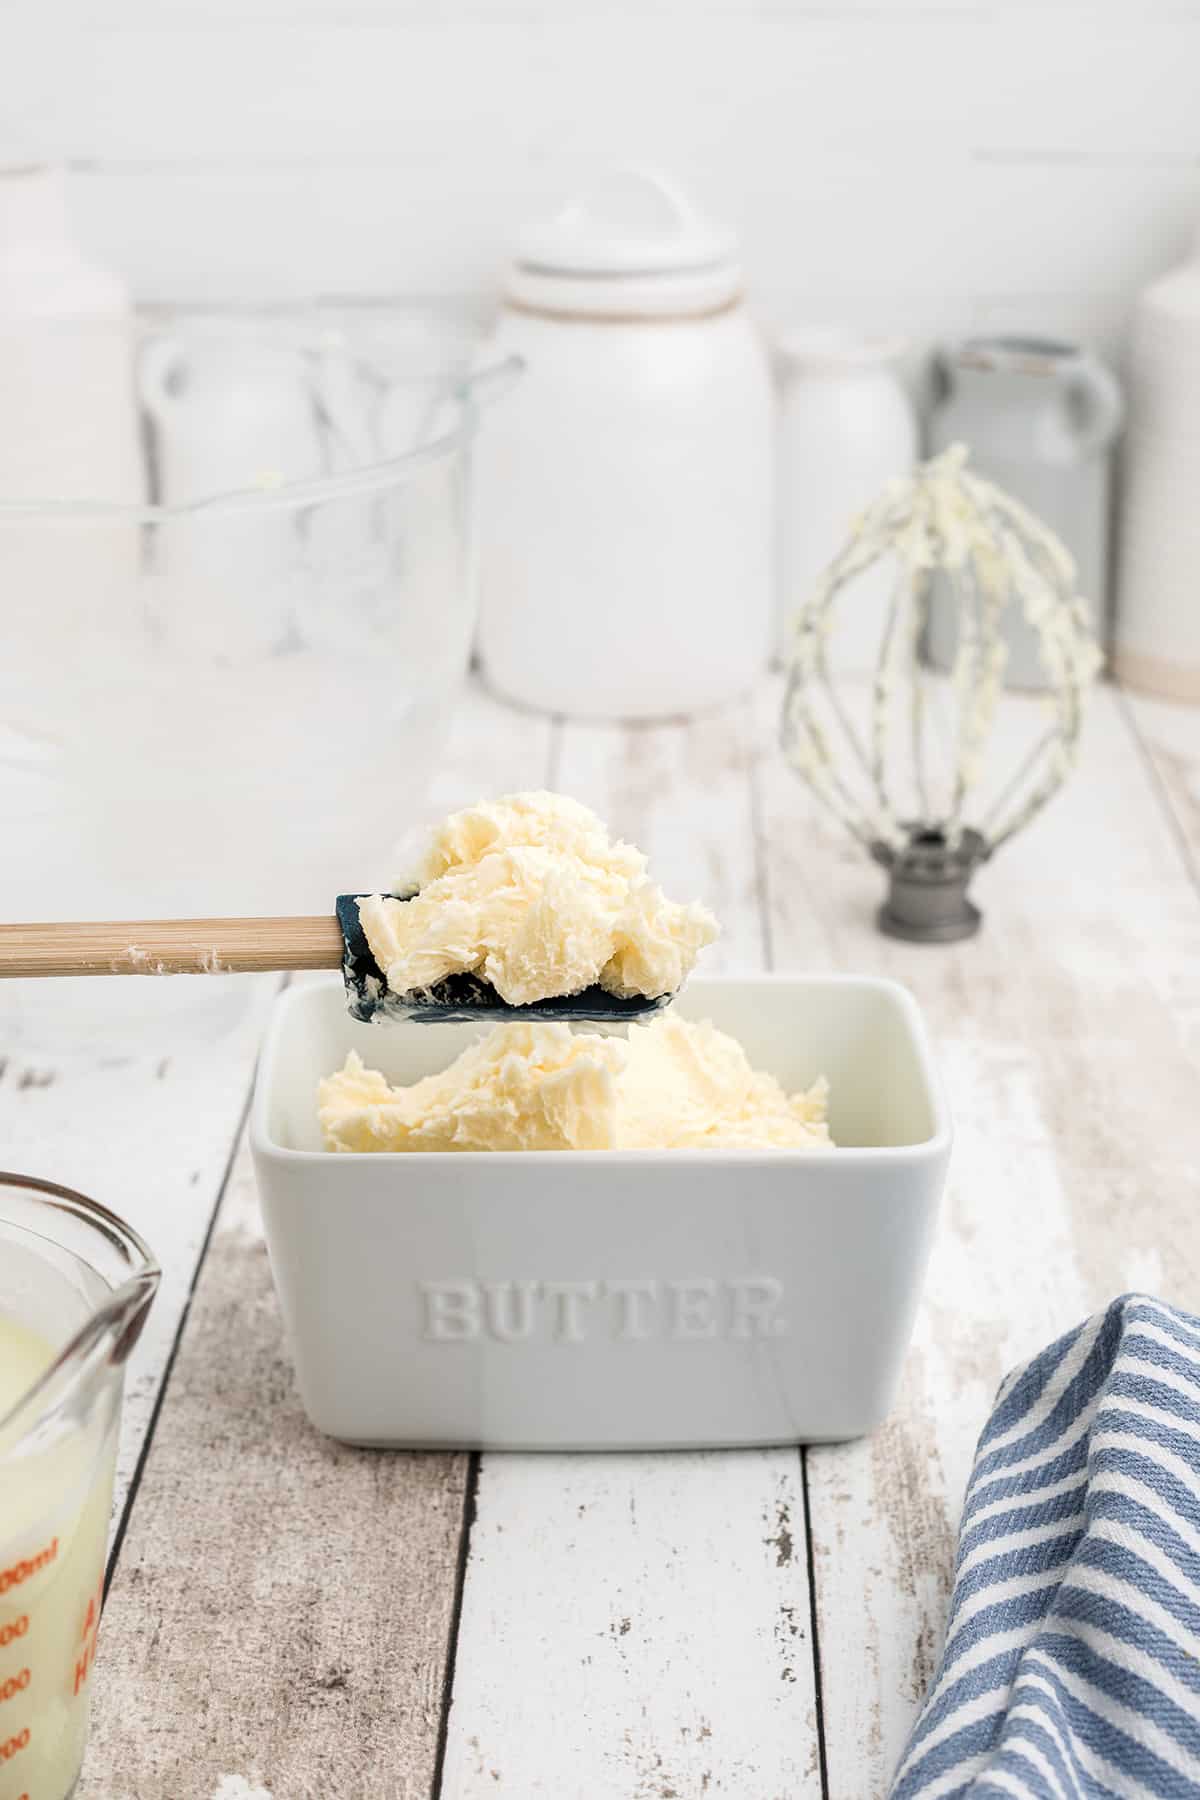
<point x="913" y="761"/>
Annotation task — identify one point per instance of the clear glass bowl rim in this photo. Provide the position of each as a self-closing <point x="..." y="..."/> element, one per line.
<point x="469" y="391"/>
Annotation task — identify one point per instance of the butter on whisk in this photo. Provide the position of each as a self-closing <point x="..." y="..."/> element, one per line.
<point x="910" y="779"/>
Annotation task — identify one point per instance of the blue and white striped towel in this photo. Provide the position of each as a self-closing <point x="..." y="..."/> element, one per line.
<point x="1072" y="1659"/>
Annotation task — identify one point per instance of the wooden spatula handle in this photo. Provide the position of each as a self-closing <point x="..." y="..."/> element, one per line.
<point x="170" y="947"/>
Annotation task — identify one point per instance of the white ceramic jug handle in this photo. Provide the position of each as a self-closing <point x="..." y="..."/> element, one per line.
<point x="155" y="366"/>
<point x="1098" y="404"/>
<point x="940" y="378"/>
<point x="485" y="385"/>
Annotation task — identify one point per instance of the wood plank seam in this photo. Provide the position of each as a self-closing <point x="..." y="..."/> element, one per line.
<point x="758" y="750"/>
<point x="469" y="1508"/>
<point x="169" y="1367"/>
<point x="814" y="1624"/>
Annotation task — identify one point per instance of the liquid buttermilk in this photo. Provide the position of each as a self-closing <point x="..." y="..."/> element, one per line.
<point x="54" y="1510"/>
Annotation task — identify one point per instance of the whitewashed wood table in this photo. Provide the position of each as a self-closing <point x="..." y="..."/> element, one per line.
<point x="349" y="1625"/>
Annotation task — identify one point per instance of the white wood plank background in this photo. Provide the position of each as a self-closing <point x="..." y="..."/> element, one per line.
<point x="616" y="1627"/>
<point x="937" y="164"/>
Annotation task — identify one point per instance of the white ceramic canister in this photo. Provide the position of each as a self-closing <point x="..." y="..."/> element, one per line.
<point x="847" y="427"/>
<point x="1156" y="629"/>
<point x="1039" y="419"/>
<point x="625" y="493"/>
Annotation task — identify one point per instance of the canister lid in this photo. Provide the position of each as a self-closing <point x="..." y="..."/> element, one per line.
<point x="632" y="242"/>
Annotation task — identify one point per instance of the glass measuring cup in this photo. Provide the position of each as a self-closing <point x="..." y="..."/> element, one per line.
<point x="75" y="1286"/>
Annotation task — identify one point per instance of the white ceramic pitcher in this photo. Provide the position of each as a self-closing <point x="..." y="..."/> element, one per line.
<point x="847" y="427"/>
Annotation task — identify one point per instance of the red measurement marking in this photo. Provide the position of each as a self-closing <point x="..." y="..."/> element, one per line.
<point x="10" y="1746"/>
<point x="16" y="1684"/>
<point x="18" y="1572"/>
<point x="16" y="1629"/>
<point x="91" y="1625"/>
<point x="93" y="1612"/>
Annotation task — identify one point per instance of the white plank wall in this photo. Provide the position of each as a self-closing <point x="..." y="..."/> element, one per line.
<point x="940" y="164"/>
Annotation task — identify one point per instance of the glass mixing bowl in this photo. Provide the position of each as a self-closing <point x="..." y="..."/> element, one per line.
<point x="224" y="688"/>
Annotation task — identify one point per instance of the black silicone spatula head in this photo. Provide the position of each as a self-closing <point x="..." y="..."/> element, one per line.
<point x="460" y="999"/>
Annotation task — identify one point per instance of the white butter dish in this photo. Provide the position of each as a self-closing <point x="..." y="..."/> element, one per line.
<point x="609" y="1300"/>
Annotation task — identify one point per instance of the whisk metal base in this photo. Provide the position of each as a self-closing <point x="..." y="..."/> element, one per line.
<point x="927" y="899"/>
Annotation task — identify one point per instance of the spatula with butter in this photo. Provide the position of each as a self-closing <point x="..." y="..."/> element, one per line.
<point x="516" y="908"/>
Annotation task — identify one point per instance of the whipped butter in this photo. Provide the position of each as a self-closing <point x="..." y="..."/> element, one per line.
<point x="530" y="892"/>
<point x="669" y="1085"/>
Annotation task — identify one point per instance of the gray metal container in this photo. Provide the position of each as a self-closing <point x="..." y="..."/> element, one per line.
<point x="1039" y="418"/>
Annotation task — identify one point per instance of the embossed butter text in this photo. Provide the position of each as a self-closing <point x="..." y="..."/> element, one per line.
<point x="634" y="1309"/>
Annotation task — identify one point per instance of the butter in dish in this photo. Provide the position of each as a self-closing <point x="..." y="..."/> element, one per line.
<point x="609" y="1299"/>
